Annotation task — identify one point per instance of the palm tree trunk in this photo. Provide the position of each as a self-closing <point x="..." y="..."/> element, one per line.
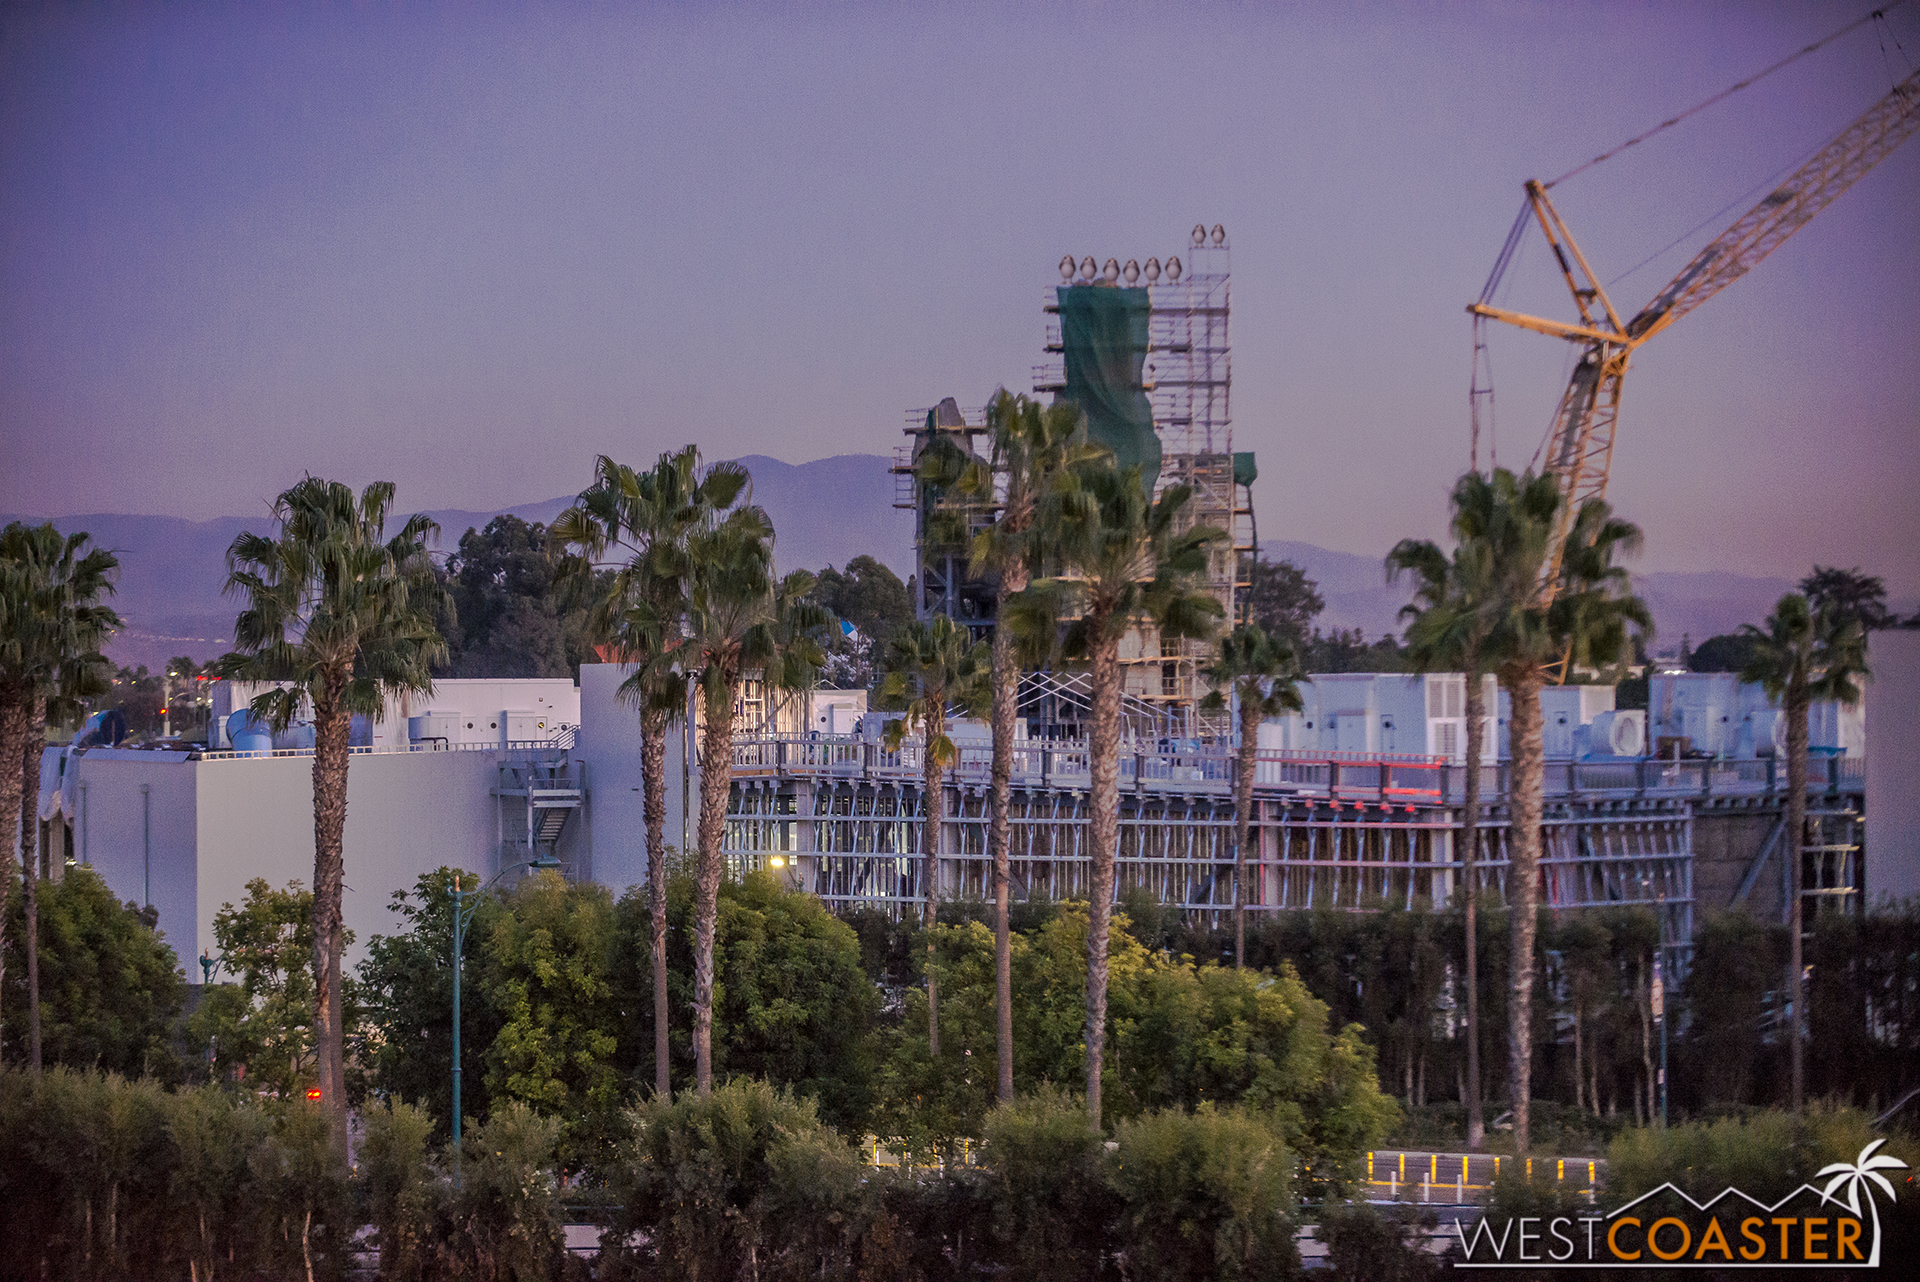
<point x="716" y="772"/>
<point x="30" y="847"/>
<point x="1796" y="839"/>
<point x="15" y="715"/>
<point x="653" y="780"/>
<point x="332" y="724"/>
<point x="1006" y="698"/>
<point x="933" y="790"/>
<point x="1243" y="821"/>
<point x="1104" y="829"/>
<point x="1523" y="881"/>
<point x="1476" y="710"/>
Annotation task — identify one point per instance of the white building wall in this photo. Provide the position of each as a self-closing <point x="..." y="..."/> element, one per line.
<point x="1893" y="802"/>
<point x="215" y="825"/>
<point x="461" y="710"/>
<point x="134" y="815"/>
<point x="609" y="743"/>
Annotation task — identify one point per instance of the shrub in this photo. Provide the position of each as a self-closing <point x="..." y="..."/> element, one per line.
<point x="506" y="1216"/>
<point x="1377" y="1244"/>
<point x="1051" y="1203"/>
<point x="403" y="1195"/>
<point x="1204" y="1195"/>
<point x="104" y="1178"/>
<point x="745" y="1183"/>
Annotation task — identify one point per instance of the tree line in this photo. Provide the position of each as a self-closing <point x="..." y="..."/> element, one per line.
<point x="671" y="571"/>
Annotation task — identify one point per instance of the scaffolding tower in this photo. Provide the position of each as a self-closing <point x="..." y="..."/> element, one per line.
<point x="1188" y="380"/>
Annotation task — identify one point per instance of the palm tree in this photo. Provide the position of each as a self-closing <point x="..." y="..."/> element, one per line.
<point x="339" y="617"/>
<point x="740" y="619"/>
<point x="1856" y="1176"/>
<point x="1130" y="565"/>
<point x="52" y="626"/>
<point x="1264" y="674"/>
<point x="1447" y="629"/>
<point x="1031" y="445"/>
<point x="1586" y="619"/>
<point x="932" y="667"/>
<point x="644" y="520"/>
<point x="1803" y="654"/>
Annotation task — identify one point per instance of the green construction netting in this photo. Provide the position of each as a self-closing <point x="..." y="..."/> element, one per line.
<point x="1245" y="471"/>
<point x="1103" y="333"/>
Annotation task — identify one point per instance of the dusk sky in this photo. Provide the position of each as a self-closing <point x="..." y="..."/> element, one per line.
<point x="467" y="248"/>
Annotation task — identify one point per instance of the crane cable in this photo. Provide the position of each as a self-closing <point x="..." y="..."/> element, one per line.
<point x="1880" y="13"/>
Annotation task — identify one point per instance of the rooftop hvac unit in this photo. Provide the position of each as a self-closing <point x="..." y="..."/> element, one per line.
<point x="1767" y="731"/>
<point x="437" y="728"/>
<point x="1618" y="734"/>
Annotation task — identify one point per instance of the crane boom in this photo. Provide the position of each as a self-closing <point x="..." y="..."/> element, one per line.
<point x="1786" y="209"/>
<point x="1579" y="445"/>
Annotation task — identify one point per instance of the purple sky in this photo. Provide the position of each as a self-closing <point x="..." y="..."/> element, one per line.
<point x="469" y="251"/>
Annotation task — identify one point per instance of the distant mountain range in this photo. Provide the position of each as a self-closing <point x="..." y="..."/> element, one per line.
<point x="171" y="570"/>
<point x="1694" y="605"/>
<point x="825" y="512"/>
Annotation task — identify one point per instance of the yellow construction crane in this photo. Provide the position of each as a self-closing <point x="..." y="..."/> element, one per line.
<point x="1579" y="446"/>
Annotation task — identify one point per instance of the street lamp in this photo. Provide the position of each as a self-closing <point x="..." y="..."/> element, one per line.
<point x="465" y="904"/>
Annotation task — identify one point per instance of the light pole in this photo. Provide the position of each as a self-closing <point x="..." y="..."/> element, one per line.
<point x="465" y="904"/>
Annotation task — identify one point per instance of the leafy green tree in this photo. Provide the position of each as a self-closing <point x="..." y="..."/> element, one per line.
<point x="1284" y="602"/>
<point x="340" y="617"/>
<point x="1348" y="650"/>
<point x="932" y="666"/>
<point x="111" y="986"/>
<point x="740" y="619"/>
<point x="1030" y="447"/>
<point x="643" y="521"/>
<point x="406" y="992"/>
<point x="1737" y="964"/>
<point x="509" y="616"/>
<point x="1849" y="595"/>
<point x="793" y="1004"/>
<point x="261" y="1022"/>
<point x="1731" y="652"/>
<point x="1802" y="655"/>
<point x="1263" y="674"/>
<point x="546" y="964"/>
<point x="1125" y="562"/>
<point x="872" y="598"/>
<point x="52" y="625"/>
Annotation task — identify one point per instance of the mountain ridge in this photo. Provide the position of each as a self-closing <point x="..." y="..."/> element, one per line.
<point x="824" y="512"/>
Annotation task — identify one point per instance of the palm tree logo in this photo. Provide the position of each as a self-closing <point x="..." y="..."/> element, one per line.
<point x="1855" y="1177"/>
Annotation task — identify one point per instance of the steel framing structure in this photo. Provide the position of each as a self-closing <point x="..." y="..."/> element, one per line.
<point x="1338" y="831"/>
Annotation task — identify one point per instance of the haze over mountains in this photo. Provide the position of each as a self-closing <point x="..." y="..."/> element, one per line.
<point x="825" y="513"/>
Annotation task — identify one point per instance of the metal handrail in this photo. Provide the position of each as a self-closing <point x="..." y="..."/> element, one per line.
<point x="395" y="749"/>
<point x="1389" y="778"/>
